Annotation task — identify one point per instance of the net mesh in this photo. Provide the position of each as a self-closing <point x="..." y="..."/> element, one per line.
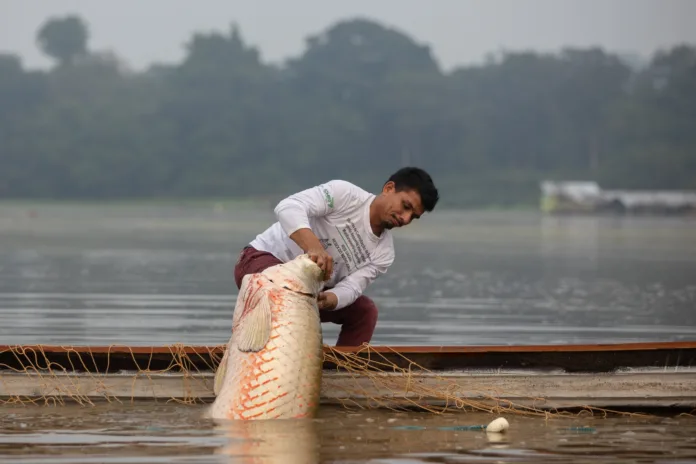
<point x="80" y="375"/>
<point x="364" y="379"/>
<point x="416" y="387"/>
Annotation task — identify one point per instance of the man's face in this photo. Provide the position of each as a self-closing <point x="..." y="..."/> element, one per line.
<point x="400" y="208"/>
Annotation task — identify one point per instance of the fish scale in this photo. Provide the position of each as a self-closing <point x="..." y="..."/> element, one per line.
<point x="272" y="366"/>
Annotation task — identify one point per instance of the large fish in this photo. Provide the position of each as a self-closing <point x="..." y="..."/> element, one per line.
<point x="272" y="366"/>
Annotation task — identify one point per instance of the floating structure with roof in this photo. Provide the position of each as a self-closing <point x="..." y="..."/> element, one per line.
<point x="589" y="197"/>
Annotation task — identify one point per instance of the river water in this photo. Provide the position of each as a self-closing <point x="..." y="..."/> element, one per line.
<point x="176" y="433"/>
<point x="155" y="274"/>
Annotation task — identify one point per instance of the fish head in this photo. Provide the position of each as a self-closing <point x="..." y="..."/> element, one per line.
<point x="309" y="277"/>
<point x="300" y="274"/>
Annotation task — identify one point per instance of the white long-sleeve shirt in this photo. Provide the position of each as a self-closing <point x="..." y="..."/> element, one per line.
<point x="338" y="213"/>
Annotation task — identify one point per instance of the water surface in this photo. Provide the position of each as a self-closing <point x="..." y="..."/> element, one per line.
<point x="155" y="274"/>
<point x="125" y="433"/>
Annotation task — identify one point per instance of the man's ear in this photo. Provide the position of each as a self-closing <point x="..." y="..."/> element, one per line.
<point x="389" y="187"/>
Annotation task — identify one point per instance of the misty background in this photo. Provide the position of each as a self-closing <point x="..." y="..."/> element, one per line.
<point x="165" y="99"/>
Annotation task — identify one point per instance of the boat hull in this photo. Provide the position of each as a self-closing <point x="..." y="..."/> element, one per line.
<point x="654" y="375"/>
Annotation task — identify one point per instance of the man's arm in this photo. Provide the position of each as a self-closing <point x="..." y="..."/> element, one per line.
<point x="349" y="289"/>
<point x="294" y="212"/>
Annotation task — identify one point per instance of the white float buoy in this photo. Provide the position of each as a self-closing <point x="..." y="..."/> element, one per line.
<point x="499" y="425"/>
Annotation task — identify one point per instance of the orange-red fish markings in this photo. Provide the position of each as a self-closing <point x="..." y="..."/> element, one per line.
<point x="248" y="387"/>
<point x="255" y="397"/>
<point x="276" y="297"/>
<point x="272" y="400"/>
<point x="251" y="297"/>
<point x="267" y="370"/>
<point x="261" y="413"/>
<point x="268" y="381"/>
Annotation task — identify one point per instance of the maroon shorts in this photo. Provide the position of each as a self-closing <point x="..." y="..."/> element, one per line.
<point x="357" y="320"/>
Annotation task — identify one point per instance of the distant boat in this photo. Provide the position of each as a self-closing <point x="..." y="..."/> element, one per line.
<point x="588" y="197"/>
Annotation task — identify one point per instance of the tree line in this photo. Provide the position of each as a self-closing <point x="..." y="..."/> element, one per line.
<point x="362" y="100"/>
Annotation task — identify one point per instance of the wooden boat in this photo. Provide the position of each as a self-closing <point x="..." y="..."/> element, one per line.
<point x="535" y="378"/>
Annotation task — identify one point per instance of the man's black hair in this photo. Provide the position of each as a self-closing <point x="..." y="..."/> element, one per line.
<point x="412" y="178"/>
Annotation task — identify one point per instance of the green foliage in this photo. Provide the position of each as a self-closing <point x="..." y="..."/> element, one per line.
<point x="361" y="101"/>
<point x="63" y="38"/>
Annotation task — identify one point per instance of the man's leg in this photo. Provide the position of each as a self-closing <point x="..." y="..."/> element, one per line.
<point x="357" y="321"/>
<point x="252" y="261"/>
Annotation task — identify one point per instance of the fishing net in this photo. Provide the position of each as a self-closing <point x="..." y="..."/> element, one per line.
<point x="369" y="379"/>
<point x="56" y="375"/>
<point x="363" y="378"/>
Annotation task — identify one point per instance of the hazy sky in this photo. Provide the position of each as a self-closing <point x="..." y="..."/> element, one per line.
<point x="459" y="31"/>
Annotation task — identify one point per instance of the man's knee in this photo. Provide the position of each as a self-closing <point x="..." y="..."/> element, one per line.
<point x="365" y="312"/>
<point x="239" y="269"/>
<point x="358" y="322"/>
<point x="251" y="261"/>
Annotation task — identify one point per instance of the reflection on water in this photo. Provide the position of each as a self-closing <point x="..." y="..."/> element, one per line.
<point x="148" y="432"/>
<point x="270" y="442"/>
<point x="163" y="274"/>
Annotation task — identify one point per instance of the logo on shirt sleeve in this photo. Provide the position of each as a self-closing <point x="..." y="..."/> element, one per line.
<point x="329" y="198"/>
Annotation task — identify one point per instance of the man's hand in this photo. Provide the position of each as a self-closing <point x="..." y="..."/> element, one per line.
<point x="323" y="260"/>
<point x="311" y="245"/>
<point x="327" y="300"/>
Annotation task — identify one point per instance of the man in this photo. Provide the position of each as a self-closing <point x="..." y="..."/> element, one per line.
<point x="347" y="232"/>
